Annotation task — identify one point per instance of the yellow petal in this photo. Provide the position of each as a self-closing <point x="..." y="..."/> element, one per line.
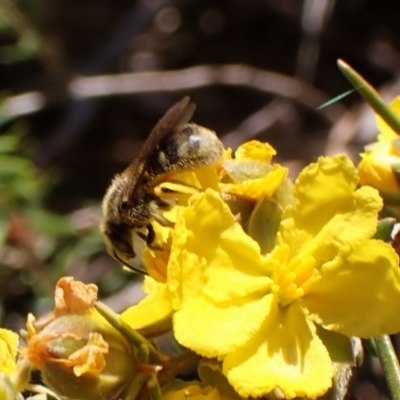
<point x="214" y="331"/>
<point x="154" y="309"/>
<point x="322" y="189"/>
<point x="326" y="219"/>
<point x="359" y="292"/>
<point x="254" y="189"/>
<point x="223" y="246"/>
<point x="376" y="167"/>
<point x="200" y="178"/>
<point x="156" y="262"/>
<point x="225" y="285"/>
<point x="285" y="353"/>
<point x="255" y="151"/>
<point x="8" y="350"/>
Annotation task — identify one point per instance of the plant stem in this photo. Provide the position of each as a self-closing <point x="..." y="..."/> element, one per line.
<point x="370" y="95"/>
<point x="135" y="387"/>
<point x="134" y="337"/>
<point x="176" y="365"/>
<point x="154" y="388"/>
<point x="390" y="364"/>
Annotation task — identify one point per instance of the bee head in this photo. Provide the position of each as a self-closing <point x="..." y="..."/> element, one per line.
<point x="118" y="240"/>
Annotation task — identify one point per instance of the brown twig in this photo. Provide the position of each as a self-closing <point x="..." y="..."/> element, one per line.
<point x="180" y="80"/>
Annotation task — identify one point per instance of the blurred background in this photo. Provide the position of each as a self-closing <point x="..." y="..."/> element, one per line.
<point x="83" y="82"/>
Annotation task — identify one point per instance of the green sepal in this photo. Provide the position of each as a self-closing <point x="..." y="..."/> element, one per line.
<point x="63" y="347"/>
<point x="341" y="348"/>
<point x="264" y="223"/>
<point x="284" y="194"/>
<point x="238" y="172"/>
<point x="242" y="207"/>
<point x="384" y="229"/>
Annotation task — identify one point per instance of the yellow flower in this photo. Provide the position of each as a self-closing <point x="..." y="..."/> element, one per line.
<point x="250" y="174"/>
<point x="380" y="164"/>
<point x="15" y="374"/>
<point x="261" y="314"/>
<point x="8" y="350"/>
<point x="245" y="178"/>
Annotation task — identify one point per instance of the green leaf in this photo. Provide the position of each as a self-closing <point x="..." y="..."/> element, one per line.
<point x="48" y="223"/>
<point x="9" y="143"/>
<point x="371" y="96"/>
<point x="336" y="99"/>
<point x="3" y="227"/>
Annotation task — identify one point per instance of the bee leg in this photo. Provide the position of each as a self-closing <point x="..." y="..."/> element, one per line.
<point x="150" y="238"/>
<point x="163" y="205"/>
<point x="151" y="235"/>
<point x="142" y="236"/>
<point x="131" y="267"/>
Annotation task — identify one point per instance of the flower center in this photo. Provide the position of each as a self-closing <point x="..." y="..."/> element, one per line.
<point x="293" y="279"/>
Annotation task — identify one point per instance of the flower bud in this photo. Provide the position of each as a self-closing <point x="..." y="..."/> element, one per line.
<point x="380" y="166"/>
<point x="81" y="356"/>
<point x="258" y="191"/>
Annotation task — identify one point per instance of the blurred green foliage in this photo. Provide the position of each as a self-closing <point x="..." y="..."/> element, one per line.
<point x="38" y="246"/>
<point x="24" y="40"/>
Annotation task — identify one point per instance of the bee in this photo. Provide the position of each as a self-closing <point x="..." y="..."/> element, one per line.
<point x="130" y="205"/>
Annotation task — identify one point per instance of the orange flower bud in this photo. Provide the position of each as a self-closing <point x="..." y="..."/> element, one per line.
<point x="81" y="356"/>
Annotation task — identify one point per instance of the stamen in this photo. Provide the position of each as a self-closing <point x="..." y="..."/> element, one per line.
<point x="295" y="279"/>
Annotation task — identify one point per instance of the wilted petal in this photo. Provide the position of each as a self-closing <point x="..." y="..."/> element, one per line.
<point x="72" y="296"/>
<point x="90" y="358"/>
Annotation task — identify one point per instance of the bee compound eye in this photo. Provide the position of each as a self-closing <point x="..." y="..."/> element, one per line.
<point x="120" y="240"/>
<point x="125" y="248"/>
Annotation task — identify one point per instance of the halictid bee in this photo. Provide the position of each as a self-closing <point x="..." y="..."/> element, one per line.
<point x="130" y="204"/>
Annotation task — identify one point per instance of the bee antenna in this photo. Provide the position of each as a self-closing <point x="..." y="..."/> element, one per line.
<point x="131" y="267"/>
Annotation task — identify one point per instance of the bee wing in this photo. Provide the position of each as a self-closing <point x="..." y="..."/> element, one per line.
<point x="179" y="114"/>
